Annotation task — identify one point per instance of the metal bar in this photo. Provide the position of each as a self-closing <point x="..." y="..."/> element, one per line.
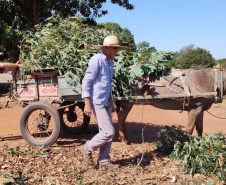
<point x="167" y="96"/>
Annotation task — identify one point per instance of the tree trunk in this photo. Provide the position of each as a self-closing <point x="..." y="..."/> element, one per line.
<point x="36" y="12"/>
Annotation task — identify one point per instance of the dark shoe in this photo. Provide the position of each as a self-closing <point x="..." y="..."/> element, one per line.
<point x="87" y="157"/>
<point x="109" y="166"/>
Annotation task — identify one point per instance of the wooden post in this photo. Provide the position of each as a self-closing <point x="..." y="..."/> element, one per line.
<point x="36" y="88"/>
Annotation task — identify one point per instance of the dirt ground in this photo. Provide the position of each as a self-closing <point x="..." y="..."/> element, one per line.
<point x="63" y="163"/>
<point x="141" y="117"/>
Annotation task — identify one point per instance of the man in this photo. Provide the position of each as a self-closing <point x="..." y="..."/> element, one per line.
<point x="97" y="93"/>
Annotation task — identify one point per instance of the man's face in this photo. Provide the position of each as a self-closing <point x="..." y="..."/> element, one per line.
<point x="111" y="52"/>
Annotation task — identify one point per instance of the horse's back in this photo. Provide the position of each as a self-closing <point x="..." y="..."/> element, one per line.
<point x="177" y="82"/>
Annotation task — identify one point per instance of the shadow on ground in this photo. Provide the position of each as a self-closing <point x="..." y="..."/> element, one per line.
<point x="10" y="138"/>
<point x="143" y="132"/>
<point x="143" y="159"/>
<point x="137" y="133"/>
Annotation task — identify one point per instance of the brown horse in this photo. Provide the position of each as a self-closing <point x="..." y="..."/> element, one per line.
<point x="192" y="90"/>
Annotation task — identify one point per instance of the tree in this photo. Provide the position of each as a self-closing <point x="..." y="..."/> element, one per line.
<point x="222" y="62"/>
<point x="125" y="36"/>
<point x="22" y="15"/>
<point x="114" y="28"/>
<point x="142" y="45"/>
<point x="173" y="62"/>
<point x="127" y="39"/>
<point x="145" y="50"/>
<point x="199" y="57"/>
<point x="9" y="42"/>
<point x="184" y="51"/>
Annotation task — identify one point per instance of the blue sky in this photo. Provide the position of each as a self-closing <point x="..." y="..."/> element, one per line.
<point x="170" y="25"/>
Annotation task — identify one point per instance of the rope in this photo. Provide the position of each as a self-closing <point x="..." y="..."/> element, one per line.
<point x="172" y="89"/>
<point x="215" y="116"/>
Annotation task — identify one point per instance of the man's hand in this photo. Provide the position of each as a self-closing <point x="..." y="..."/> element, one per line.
<point x="88" y="107"/>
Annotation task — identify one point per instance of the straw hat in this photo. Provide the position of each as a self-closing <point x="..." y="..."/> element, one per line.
<point x="111" y="41"/>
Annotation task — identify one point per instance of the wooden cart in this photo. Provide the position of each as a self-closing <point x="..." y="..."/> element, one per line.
<point x="56" y="107"/>
<point x="52" y="105"/>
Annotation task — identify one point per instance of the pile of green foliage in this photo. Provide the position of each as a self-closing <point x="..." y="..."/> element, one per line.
<point x="199" y="155"/>
<point x="66" y="45"/>
<point x="62" y="44"/>
<point x="129" y="67"/>
<point x="168" y="138"/>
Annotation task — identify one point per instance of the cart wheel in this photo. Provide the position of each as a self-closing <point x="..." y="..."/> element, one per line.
<point x="73" y="120"/>
<point x="40" y="124"/>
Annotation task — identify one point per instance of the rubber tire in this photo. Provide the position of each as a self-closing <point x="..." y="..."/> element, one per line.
<point x="74" y="130"/>
<point x="23" y="123"/>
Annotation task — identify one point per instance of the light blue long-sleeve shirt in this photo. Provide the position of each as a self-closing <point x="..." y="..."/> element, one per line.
<point x="96" y="83"/>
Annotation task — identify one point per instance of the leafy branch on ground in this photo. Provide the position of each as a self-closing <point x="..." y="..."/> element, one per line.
<point x="199" y="155"/>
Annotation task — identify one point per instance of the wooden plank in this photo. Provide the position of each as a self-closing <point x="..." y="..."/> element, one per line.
<point x="167" y="96"/>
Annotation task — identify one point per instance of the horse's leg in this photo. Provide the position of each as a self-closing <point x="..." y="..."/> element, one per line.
<point x="199" y="124"/>
<point x="191" y="121"/>
<point x="196" y="113"/>
<point x="195" y="118"/>
<point x="124" y="108"/>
